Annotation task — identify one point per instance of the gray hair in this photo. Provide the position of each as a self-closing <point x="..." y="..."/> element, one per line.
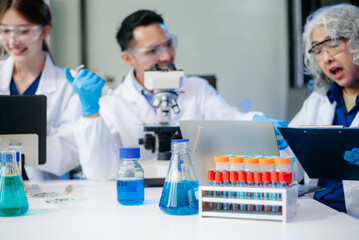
<point x="340" y="20"/>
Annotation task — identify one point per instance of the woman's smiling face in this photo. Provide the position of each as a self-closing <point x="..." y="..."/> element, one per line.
<point x="21" y="39"/>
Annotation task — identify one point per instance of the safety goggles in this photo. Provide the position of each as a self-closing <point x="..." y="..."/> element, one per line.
<point x="331" y="46"/>
<point x="153" y="52"/>
<point x="26" y="33"/>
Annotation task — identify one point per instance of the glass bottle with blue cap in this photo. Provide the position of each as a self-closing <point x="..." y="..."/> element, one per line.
<point x="130" y="178"/>
<point x="180" y="190"/>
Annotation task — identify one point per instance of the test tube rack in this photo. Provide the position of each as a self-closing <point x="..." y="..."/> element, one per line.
<point x="288" y="203"/>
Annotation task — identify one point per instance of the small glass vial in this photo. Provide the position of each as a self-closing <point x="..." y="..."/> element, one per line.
<point x="130" y="178"/>
<point x="282" y="164"/>
<point x="266" y="164"/>
<point x="236" y="163"/>
<point x="292" y="167"/>
<point x="222" y="163"/>
<point x="251" y="164"/>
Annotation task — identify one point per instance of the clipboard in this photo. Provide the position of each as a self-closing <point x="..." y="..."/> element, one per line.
<point x="320" y="151"/>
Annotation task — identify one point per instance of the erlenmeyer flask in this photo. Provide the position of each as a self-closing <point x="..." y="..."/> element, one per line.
<point x="179" y="193"/>
<point x="13" y="201"/>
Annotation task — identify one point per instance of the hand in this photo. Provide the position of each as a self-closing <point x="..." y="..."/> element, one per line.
<point x="88" y="86"/>
<point x="282" y="144"/>
<point x="352" y="156"/>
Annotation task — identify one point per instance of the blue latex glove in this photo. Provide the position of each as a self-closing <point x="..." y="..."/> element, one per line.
<point x="352" y="156"/>
<point x="88" y="86"/>
<point x="282" y="144"/>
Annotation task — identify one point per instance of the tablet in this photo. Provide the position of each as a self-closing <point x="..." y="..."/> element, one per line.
<point x="211" y="138"/>
<point x="320" y="151"/>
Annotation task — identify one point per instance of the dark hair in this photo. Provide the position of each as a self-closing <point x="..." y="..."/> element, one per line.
<point x="124" y="35"/>
<point x="35" y="11"/>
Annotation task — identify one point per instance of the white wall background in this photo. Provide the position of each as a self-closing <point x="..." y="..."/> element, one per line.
<point x="243" y="42"/>
<point x="65" y="36"/>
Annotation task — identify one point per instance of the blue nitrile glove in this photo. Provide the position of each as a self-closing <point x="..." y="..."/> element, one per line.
<point x="352" y="156"/>
<point x="282" y="144"/>
<point x="88" y="86"/>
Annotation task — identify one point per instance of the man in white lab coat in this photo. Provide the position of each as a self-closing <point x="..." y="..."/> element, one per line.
<point x="331" y="54"/>
<point x="118" y="119"/>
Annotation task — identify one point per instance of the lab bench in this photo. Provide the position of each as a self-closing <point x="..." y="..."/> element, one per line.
<point x="91" y="211"/>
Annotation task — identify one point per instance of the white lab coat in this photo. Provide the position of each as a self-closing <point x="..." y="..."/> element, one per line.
<point x="317" y="110"/>
<point x="63" y="110"/>
<point x="123" y="114"/>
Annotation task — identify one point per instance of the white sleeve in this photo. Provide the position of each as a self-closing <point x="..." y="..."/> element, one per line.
<point x="307" y="115"/>
<point x="98" y="152"/>
<point x="61" y="150"/>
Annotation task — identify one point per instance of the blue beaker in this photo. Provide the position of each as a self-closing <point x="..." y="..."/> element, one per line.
<point x="13" y="201"/>
<point x="180" y="190"/>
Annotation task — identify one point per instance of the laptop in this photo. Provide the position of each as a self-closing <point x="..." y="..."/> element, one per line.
<point x="211" y="138"/>
<point x="320" y="151"/>
<point x="23" y="121"/>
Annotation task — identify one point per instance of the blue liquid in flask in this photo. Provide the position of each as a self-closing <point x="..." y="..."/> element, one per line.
<point x="179" y="198"/>
<point x="13" y="201"/>
<point x="131" y="191"/>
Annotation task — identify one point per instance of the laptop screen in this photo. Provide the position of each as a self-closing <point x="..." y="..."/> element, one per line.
<point x="211" y="138"/>
<point x="23" y="121"/>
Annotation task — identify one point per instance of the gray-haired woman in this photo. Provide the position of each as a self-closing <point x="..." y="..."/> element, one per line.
<point x="331" y="54"/>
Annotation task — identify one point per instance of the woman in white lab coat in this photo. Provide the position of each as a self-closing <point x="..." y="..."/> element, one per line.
<point x="331" y="44"/>
<point x="29" y="70"/>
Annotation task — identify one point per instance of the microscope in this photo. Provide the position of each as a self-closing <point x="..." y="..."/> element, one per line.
<point x="163" y="83"/>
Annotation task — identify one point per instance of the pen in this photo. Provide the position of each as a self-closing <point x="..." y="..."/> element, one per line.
<point x="67" y="189"/>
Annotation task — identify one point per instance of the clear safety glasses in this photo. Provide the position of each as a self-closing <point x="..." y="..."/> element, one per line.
<point x="26" y="33"/>
<point x="331" y="46"/>
<point x="153" y="52"/>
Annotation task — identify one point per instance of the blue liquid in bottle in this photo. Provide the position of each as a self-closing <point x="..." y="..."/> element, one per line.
<point x="131" y="191"/>
<point x="13" y="201"/>
<point x="179" y="198"/>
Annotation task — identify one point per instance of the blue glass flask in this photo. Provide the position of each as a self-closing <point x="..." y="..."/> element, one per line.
<point x="13" y="200"/>
<point x="130" y="178"/>
<point x="180" y="190"/>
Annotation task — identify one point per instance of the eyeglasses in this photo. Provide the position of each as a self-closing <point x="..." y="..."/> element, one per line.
<point x="331" y="46"/>
<point x="153" y="52"/>
<point x="26" y="33"/>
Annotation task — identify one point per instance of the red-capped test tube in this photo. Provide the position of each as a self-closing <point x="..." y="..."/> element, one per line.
<point x="210" y="181"/>
<point x="266" y="184"/>
<point x="242" y="183"/>
<point x="218" y="182"/>
<point x="289" y="178"/>
<point x="282" y="179"/>
<point x="258" y="183"/>
<point x="225" y="175"/>
<point x="250" y="183"/>
<point x="275" y="184"/>
<point x="234" y="182"/>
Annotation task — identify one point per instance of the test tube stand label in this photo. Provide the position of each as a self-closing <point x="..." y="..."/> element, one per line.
<point x="287" y="202"/>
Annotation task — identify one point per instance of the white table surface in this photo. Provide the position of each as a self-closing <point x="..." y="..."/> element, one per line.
<point x="94" y="213"/>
